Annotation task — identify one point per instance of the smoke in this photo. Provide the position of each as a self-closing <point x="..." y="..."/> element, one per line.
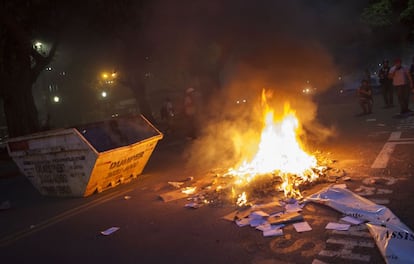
<point x="280" y="46"/>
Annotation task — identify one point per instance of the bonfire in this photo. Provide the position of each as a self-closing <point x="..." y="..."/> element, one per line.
<point x="280" y="155"/>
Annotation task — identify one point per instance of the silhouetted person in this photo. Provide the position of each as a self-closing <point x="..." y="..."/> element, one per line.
<point x="189" y="113"/>
<point x="402" y="82"/>
<point x="365" y="100"/>
<point x="387" y="89"/>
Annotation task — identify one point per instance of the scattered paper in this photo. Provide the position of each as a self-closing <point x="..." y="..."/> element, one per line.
<point x="352" y="220"/>
<point x="295" y="207"/>
<point x="266" y="226"/>
<point x="302" y="227"/>
<point x="243" y="222"/>
<point x="395" y="244"/>
<point x="340" y="185"/>
<point x="338" y="226"/>
<point x="231" y="216"/>
<point x="243" y="214"/>
<point x="285" y="218"/>
<point x="110" y="230"/>
<point x="273" y="232"/>
<point x="393" y="237"/>
<point x="258" y="214"/>
<point x="188" y="190"/>
<point x="192" y="205"/>
<point x="256" y="221"/>
<point x="176" y="184"/>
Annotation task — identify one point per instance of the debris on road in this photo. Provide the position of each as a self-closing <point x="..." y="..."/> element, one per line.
<point x="394" y="239"/>
<point x="110" y="230"/>
<point x="302" y="227"/>
<point x="176" y="184"/>
<point x="352" y="220"/>
<point x="338" y="226"/>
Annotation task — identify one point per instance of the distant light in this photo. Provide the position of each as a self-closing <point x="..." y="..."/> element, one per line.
<point x="104" y="94"/>
<point x="56" y="99"/>
<point x="38" y="45"/>
<point x="105" y="75"/>
<point x="113" y="75"/>
<point x="48" y="68"/>
<point x="244" y="100"/>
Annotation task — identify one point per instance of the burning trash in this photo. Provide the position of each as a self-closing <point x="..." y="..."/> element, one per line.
<point x="280" y="155"/>
<point x="279" y="167"/>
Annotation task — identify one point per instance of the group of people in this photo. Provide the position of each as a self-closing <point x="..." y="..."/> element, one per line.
<point x="393" y="79"/>
<point x="189" y="110"/>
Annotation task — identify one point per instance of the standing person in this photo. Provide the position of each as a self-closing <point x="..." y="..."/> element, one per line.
<point x="386" y="85"/>
<point x="402" y="82"/>
<point x="167" y="115"/>
<point x="189" y="113"/>
<point x="365" y="100"/>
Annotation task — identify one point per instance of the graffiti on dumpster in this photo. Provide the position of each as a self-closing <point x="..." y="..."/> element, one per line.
<point x="53" y="174"/>
<point x="122" y="162"/>
<point x="125" y="165"/>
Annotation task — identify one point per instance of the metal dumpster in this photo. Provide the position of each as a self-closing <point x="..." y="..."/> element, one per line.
<point x="79" y="161"/>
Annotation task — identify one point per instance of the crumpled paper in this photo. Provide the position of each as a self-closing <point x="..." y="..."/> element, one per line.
<point x="393" y="238"/>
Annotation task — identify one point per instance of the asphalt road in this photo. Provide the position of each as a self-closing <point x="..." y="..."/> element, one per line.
<point x="68" y="230"/>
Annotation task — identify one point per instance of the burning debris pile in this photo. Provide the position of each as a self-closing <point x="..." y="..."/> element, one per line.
<point x="219" y="188"/>
<point x="280" y="165"/>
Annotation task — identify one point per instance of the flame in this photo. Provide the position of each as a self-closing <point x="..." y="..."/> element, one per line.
<point x="242" y="199"/>
<point x="280" y="153"/>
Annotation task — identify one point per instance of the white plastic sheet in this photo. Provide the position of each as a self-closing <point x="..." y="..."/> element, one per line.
<point x="393" y="238"/>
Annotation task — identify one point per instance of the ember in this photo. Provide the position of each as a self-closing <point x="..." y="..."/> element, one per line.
<point x="280" y="154"/>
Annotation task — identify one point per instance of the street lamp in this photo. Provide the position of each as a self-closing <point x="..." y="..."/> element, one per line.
<point x="56" y="99"/>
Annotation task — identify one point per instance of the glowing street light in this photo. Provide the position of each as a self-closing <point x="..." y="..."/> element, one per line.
<point x="38" y="45"/>
<point x="104" y="94"/>
<point x="56" y="99"/>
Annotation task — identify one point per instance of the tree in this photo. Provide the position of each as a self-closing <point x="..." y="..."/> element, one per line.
<point x="394" y="14"/>
<point x="21" y="62"/>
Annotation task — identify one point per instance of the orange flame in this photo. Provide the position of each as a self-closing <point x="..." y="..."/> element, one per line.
<point x="279" y="153"/>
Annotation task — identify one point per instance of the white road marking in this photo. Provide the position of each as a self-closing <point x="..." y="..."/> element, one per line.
<point x="356" y="231"/>
<point x="384" y="156"/>
<point x="346" y="251"/>
<point x="395" y="136"/>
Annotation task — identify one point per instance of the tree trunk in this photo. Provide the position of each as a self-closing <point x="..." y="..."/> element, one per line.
<point x="20" y="109"/>
<point x="18" y="102"/>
